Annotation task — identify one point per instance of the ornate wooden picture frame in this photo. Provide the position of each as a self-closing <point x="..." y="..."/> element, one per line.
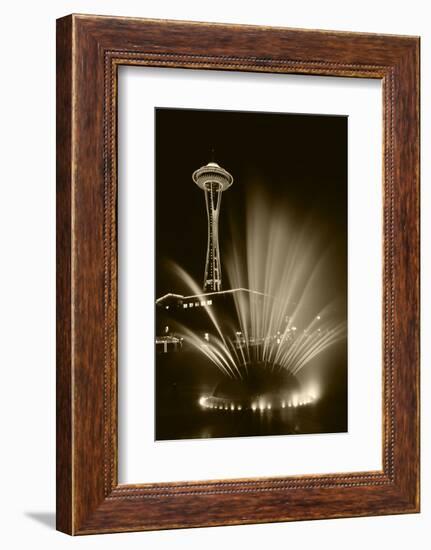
<point x="89" y="51"/>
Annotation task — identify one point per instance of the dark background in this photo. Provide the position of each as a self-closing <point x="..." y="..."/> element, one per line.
<point x="297" y="159"/>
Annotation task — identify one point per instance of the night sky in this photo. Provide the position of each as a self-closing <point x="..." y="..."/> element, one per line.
<point x="300" y="160"/>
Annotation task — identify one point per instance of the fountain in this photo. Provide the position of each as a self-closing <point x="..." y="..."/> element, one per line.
<point x="283" y="318"/>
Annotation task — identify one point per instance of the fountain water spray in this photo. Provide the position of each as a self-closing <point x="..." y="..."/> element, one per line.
<point x="285" y="319"/>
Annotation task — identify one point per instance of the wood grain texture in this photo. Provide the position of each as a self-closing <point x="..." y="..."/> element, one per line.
<point x="64" y="497"/>
<point x="90" y="49"/>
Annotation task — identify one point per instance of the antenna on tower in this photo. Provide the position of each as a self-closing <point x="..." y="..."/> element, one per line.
<point x="212" y="155"/>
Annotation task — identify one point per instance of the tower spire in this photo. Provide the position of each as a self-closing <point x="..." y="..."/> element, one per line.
<point x="212" y="155"/>
<point x="213" y="180"/>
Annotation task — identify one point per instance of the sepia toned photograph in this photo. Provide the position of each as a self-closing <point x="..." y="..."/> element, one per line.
<point x="251" y="274"/>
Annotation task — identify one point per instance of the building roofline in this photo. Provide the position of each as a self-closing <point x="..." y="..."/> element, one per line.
<point x="168" y="295"/>
<point x="231" y="291"/>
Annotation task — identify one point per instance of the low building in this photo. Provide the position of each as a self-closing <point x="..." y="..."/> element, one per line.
<point x="197" y="312"/>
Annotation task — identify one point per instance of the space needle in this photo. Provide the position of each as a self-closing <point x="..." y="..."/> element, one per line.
<point x="213" y="180"/>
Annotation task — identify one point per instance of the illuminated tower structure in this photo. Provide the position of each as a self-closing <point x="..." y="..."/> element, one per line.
<point x="213" y="180"/>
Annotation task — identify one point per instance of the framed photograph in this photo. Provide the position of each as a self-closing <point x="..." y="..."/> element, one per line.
<point x="237" y="274"/>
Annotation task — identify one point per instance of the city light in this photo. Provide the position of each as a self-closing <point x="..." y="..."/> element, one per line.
<point x="263" y="405"/>
<point x="202" y="401"/>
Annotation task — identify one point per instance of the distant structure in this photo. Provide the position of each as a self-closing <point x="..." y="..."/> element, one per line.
<point x="213" y="180"/>
<point x="194" y="311"/>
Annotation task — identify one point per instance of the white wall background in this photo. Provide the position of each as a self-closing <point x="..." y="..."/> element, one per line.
<point x="27" y="285"/>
